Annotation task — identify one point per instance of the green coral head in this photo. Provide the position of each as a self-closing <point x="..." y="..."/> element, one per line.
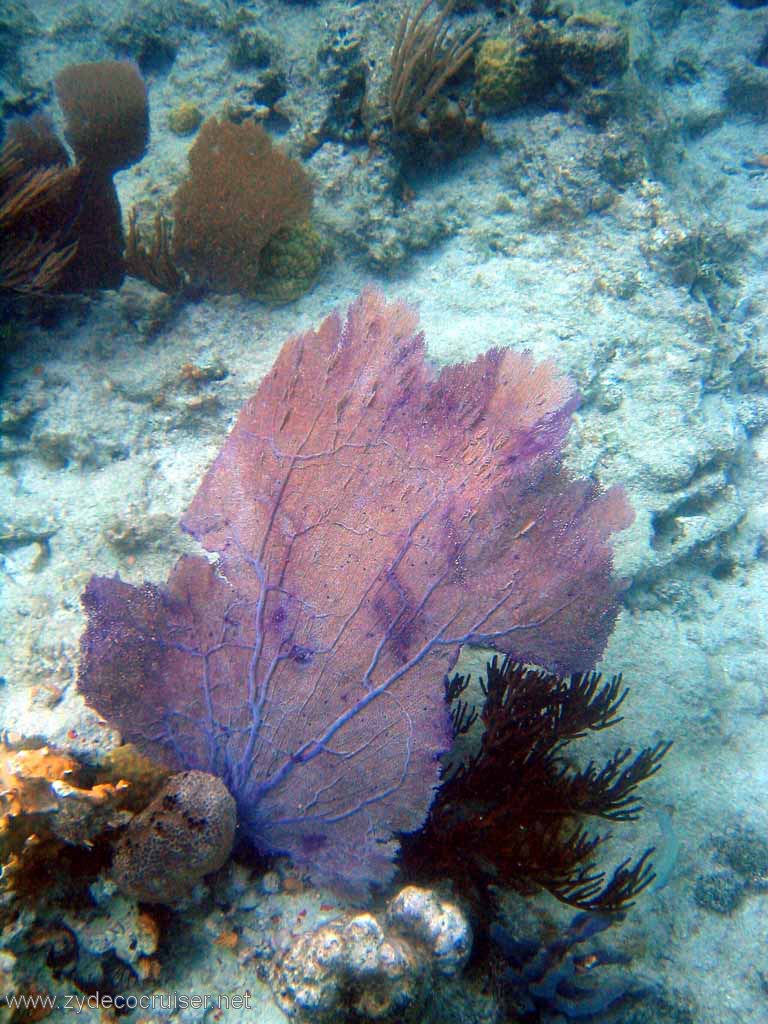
<point x="290" y="262"/>
<point x="504" y="72"/>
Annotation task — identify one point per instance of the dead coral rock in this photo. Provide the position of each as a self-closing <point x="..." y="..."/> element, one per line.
<point x="8" y="985"/>
<point x="358" y="968"/>
<point x="591" y="49"/>
<point x="351" y="967"/>
<point x="186" y="832"/>
<point x="439" y="925"/>
<point x="116" y="926"/>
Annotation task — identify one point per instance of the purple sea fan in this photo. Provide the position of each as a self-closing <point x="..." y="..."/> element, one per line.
<point x="370" y="516"/>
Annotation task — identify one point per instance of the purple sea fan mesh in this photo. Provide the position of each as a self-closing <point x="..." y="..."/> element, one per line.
<point x="370" y="516"/>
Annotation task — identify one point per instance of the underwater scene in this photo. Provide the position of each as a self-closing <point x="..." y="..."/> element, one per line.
<point x="384" y="511"/>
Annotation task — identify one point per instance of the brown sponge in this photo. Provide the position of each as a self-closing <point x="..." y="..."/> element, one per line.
<point x="106" y="112"/>
<point x="186" y="832"/>
<point x="107" y="125"/>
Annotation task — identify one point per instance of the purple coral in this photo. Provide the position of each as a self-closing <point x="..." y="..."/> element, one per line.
<point x="370" y="516"/>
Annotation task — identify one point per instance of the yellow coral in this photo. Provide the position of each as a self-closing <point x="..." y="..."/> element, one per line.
<point x="126" y="764"/>
<point x="503" y="74"/>
<point x="46" y="803"/>
<point x="185" y="119"/>
<point x="290" y="262"/>
<point x="25" y="781"/>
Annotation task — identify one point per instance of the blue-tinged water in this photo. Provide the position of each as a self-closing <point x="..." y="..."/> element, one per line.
<point x="587" y="181"/>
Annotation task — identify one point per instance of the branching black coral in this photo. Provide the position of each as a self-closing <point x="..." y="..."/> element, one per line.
<point x="610" y="792"/>
<point x="512" y="814"/>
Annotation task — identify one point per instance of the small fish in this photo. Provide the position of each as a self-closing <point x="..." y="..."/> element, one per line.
<point x="756" y="163"/>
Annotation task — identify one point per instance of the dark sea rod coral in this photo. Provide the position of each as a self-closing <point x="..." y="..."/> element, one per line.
<point x="369" y="516"/>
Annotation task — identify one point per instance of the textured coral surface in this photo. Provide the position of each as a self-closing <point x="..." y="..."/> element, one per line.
<point x="186" y="832"/>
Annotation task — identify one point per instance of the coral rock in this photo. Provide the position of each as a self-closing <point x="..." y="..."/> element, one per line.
<point x="504" y="73"/>
<point x="113" y="929"/>
<point x="185" y="119"/>
<point x="290" y="262"/>
<point x="591" y="49"/>
<point x="441" y="926"/>
<point x="7" y="984"/>
<point x="360" y="967"/>
<point x="185" y="833"/>
<point x="351" y="967"/>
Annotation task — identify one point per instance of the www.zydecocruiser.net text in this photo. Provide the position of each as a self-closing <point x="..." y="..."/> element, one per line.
<point x="152" y="1001"/>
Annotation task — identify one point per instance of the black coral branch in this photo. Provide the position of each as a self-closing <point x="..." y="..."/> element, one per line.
<point x="513" y="813"/>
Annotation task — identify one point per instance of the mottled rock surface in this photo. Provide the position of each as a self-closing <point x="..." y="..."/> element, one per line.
<point x="361" y="967"/>
<point x="186" y="832"/>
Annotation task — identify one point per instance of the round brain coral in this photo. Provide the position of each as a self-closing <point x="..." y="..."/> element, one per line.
<point x="185" y="833"/>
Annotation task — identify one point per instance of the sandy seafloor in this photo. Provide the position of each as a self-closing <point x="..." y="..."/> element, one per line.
<point x="103" y="440"/>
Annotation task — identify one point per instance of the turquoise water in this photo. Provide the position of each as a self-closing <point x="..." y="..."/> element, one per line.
<point x="600" y="202"/>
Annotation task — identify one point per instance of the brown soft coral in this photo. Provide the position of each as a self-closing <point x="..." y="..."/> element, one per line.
<point x="60" y="224"/>
<point x="240" y="191"/>
<point x="37" y="187"/>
